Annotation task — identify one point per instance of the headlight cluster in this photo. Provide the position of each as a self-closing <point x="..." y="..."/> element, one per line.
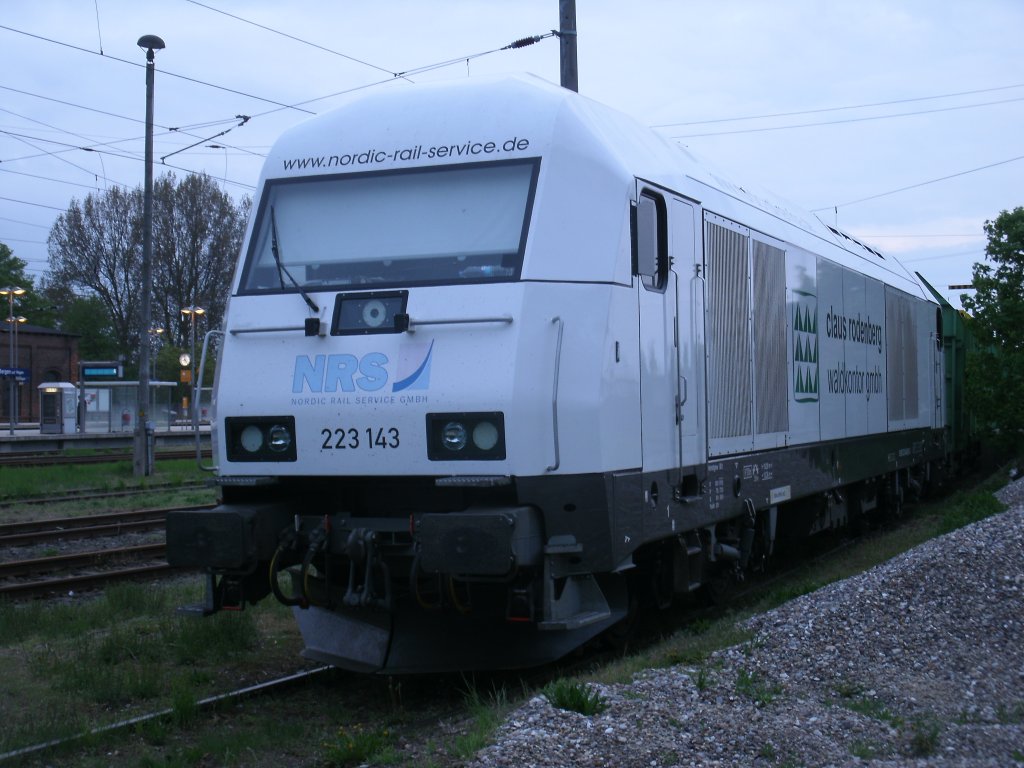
<point x="462" y="436"/>
<point x="263" y="438"/>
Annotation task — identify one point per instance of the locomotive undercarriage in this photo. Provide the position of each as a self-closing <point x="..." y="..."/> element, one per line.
<point x="409" y="575"/>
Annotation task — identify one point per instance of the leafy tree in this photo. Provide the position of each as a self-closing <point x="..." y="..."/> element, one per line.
<point x="33" y="304"/>
<point x="87" y="317"/>
<point x="996" y="370"/>
<point x="12" y="269"/>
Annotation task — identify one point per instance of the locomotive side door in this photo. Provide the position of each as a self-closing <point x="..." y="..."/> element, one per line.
<point x="657" y="289"/>
<point x="685" y="258"/>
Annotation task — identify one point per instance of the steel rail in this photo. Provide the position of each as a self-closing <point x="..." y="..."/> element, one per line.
<point x="82" y="494"/>
<point x="208" y="703"/>
<point x="37" y="459"/>
<point x="87" y="526"/>
<point x="85" y="581"/>
<point x="96" y="557"/>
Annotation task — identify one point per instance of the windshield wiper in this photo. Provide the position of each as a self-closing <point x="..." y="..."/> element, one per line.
<point x="282" y="270"/>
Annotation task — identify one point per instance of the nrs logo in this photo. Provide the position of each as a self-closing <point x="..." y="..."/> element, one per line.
<point x="369" y="373"/>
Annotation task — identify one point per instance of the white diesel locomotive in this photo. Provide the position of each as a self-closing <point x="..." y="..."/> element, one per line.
<point x="499" y="360"/>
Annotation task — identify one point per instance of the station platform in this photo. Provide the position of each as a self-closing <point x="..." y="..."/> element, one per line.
<point x="28" y="439"/>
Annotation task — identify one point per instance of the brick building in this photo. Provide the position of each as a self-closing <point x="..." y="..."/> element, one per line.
<point x="42" y="355"/>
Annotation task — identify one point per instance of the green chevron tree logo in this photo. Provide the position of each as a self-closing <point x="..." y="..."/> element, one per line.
<point x="805" y="347"/>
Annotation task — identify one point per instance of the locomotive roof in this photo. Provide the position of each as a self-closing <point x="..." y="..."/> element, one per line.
<point x="382" y="130"/>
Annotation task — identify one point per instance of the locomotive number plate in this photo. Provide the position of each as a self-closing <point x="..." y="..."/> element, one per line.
<point x="356" y="438"/>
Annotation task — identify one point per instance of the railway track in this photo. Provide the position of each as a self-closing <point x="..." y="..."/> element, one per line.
<point x="87" y="526"/>
<point x="83" y="570"/>
<point x="48" y="458"/>
<point x="203" y="705"/>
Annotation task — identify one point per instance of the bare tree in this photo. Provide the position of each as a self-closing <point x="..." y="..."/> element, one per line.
<point x="96" y="248"/>
<point x="197" y="233"/>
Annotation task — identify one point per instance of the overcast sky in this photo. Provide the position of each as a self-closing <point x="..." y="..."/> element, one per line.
<point x="825" y="103"/>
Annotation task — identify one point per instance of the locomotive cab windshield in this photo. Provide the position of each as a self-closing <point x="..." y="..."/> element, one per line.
<point x="451" y="224"/>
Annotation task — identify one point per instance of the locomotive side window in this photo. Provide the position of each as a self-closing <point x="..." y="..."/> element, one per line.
<point x="427" y="226"/>
<point x="650" y="241"/>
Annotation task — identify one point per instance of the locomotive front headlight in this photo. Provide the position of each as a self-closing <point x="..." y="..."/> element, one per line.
<point x="485" y="435"/>
<point x="453" y="436"/>
<point x="260" y="438"/>
<point x="374" y="313"/>
<point x="279" y="438"/>
<point x="251" y="438"/>
<point x="466" y="436"/>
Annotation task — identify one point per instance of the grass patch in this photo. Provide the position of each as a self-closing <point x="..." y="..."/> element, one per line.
<point x="27" y="482"/>
<point x="924" y="736"/>
<point x="691" y="646"/>
<point x="1012" y="714"/>
<point x="966" y="508"/>
<point x="74" y="666"/>
<point x="575" y="697"/>
<point x="357" y="744"/>
<point x="754" y="687"/>
<point x="485" y="714"/>
<point x="874" y="709"/>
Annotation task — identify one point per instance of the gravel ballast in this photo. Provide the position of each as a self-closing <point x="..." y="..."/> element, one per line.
<point x="916" y="662"/>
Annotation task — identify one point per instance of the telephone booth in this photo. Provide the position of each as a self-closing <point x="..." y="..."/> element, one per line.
<point x="58" y="401"/>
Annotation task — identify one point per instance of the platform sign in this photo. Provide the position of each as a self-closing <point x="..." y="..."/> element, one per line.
<point x="102" y="370"/>
<point x="21" y="375"/>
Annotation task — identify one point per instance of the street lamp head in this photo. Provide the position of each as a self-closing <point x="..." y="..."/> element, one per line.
<point x="12" y="291"/>
<point x="151" y="43"/>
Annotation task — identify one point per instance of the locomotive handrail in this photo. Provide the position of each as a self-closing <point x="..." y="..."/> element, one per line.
<point x="504" y="319"/>
<point x="458" y="320"/>
<point x="554" y="393"/>
<point x="196" y="391"/>
<point x="270" y="329"/>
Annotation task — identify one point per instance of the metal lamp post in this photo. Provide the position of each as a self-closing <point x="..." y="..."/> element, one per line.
<point x="155" y="335"/>
<point x="16" y="321"/>
<point x="192" y="312"/>
<point x="10" y="292"/>
<point x="143" y="454"/>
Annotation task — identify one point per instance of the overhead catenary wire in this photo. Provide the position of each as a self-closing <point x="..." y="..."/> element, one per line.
<point x="937" y="257"/>
<point x="765" y="129"/>
<point x="516" y="44"/>
<point x="797" y="113"/>
<point x="163" y="72"/>
<point x="919" y="184"/>
<point x="520" y="43"/>
<point x="61" y="181"/>
<point x="293" y="37"/>
<point x="184" y="130"/>
<point x="448" y="63"/>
